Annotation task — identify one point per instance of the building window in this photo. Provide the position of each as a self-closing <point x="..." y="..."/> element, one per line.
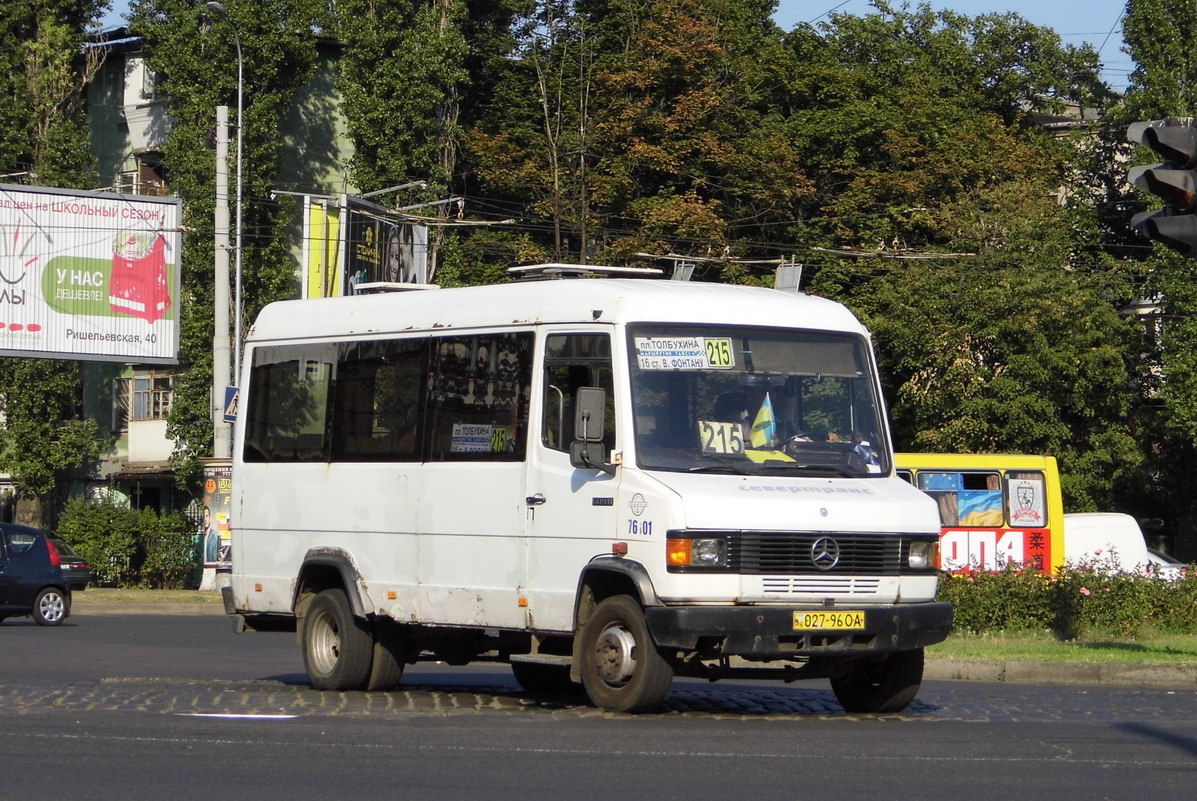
<point x="145" y="179"/>
<point x="152" y="396"/>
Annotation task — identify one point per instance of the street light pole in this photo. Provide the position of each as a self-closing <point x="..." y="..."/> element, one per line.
<point x="221" y="11"/>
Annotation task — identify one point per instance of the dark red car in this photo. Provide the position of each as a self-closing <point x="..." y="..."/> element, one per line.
<point x="31" y="579"/>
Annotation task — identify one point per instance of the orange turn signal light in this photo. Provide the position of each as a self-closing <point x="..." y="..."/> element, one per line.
<point x="677" y="552"/>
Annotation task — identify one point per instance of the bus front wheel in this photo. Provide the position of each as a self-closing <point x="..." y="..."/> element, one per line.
<point x="621" y="669"/>
<point x="881" y="684"/>
<point x="337" y="647"/>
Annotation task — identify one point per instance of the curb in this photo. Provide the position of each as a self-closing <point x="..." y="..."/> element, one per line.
<point x="83" y="609"/>
<point x="1168" y="677"/>
<point x="1171" y="677"/>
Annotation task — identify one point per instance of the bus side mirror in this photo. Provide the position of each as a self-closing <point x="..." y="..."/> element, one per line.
<point x="590" y="421"/>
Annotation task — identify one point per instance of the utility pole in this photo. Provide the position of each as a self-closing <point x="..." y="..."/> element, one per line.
<point x="222" y="433"/>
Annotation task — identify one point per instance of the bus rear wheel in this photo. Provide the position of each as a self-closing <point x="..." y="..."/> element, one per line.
<point x="621" y="668"/>
<point x="880" y="684"/>
<point x="337" y="647"/>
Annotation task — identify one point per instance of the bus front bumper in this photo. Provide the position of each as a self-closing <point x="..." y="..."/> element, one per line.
<point x="775" y="632"/>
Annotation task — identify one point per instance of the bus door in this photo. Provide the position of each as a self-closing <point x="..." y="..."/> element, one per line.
<point x="570" y="512"/>
<point x="472" y="480"/>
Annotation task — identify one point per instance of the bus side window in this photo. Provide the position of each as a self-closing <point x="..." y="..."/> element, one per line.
<point x="478" y="397"/>
<point x="377" y="409"/>
<point x="944" y="488"/>
<point x="1026" y="498"/>
<point x="965" y="499"/>
<point x="573" y="361"/>
<point x="287" y="414"/>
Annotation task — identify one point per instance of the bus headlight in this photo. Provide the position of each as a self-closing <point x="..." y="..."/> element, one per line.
<point x="924" y="555"/>
<point x="697" y="552"/>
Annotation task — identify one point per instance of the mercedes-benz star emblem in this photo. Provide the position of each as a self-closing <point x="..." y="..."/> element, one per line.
<point x="825" y="553"/>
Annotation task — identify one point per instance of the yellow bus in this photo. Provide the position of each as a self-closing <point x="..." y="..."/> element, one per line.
<point x="994" y="508"/>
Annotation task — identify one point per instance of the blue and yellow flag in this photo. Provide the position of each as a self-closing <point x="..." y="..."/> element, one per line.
<point x="764" y="427"/>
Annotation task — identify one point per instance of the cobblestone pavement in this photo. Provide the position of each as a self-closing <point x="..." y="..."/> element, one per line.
<point x="957" y="701"/>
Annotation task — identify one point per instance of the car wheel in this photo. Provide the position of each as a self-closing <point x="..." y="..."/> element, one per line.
<point x="337" y="647"/>
<point x="622" y="670"/>
<point x="50" y="607"/>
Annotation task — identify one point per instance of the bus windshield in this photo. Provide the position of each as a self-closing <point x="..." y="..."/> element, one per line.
<point x="754" y="400"/>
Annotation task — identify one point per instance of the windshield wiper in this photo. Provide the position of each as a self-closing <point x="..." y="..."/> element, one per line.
<point x="721" y="467"/>
<point x="778" y="466"/>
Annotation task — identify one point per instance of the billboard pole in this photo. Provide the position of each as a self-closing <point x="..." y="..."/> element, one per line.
<point x="222" y="440"/>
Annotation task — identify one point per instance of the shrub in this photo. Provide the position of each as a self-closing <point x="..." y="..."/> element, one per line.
<point x="1077" y="600"/>
<point x="129" y="547"/>
<point x="169" y="548"/>
<point x="105" y="534"/>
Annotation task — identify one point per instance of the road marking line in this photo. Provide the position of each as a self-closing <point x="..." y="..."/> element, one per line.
<point x="231" y="716"/>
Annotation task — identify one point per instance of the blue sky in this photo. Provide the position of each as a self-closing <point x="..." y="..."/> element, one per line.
<point x="1077" y="21"/>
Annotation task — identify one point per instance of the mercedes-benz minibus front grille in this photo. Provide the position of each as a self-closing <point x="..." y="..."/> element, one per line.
<point x="826" y="553"/>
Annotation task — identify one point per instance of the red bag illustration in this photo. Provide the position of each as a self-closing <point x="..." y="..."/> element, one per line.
<point x="138" y="283"/>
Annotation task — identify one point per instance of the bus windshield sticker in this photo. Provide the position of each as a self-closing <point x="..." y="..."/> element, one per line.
<point x="684" y="353"/>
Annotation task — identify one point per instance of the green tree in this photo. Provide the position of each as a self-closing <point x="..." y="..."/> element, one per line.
<point x="43" y="141"/>
<point x="994" y="308"/>
<point x="1159" y="38"/>
<point x="44" y="435"/>
<point x="194" y="55"/>
<point x="624" y="126"/>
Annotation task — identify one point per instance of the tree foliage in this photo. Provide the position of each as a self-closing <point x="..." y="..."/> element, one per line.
<point x="43" y="141"/>
<point x="194" y="55"/>
<point x="917" y="162"/>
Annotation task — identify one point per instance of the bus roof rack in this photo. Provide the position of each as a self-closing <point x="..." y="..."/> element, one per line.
<point x="378" y="287"/>
<point x="557" y="270"/>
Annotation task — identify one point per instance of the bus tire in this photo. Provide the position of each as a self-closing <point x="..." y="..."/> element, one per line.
<point x="621" y="669"/>
<point x="337" y="647"/>
<point x="386" y="668"/>
<point x="881" y="684"/>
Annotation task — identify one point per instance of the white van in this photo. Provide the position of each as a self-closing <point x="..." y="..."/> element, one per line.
<point x="1115" y="540"/>
<point x="608" y="481"/>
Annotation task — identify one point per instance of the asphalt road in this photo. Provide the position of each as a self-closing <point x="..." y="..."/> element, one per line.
<point x="179" y="707"/>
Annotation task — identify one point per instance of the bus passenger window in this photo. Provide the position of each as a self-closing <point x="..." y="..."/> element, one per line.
<point x="378" y="409"/>
<point x="287" y="413"/>
<point x="1026" y="499"/>
<point x="478" y="397"/>
<point x="965" y="499"/>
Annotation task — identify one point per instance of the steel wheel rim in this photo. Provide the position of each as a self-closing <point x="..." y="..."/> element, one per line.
<point x="325" y="644"/>
<point x="51" y="607"/>
<point x="615" y="655"/>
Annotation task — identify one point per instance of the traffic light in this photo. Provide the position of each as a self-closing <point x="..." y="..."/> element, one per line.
<point x="1175" y="180"/>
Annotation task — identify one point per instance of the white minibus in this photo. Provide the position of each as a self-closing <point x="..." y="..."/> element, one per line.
<point x="608" y="481"/>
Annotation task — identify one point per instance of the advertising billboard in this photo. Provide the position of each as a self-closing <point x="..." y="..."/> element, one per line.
<point x="322" y="248"/>
<point x="89" y="275"/>
<point x="216" y="521"/>
<point x="358" y="243"/>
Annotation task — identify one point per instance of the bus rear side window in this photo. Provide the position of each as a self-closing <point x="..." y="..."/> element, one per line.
<point x="287" y="414"/>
